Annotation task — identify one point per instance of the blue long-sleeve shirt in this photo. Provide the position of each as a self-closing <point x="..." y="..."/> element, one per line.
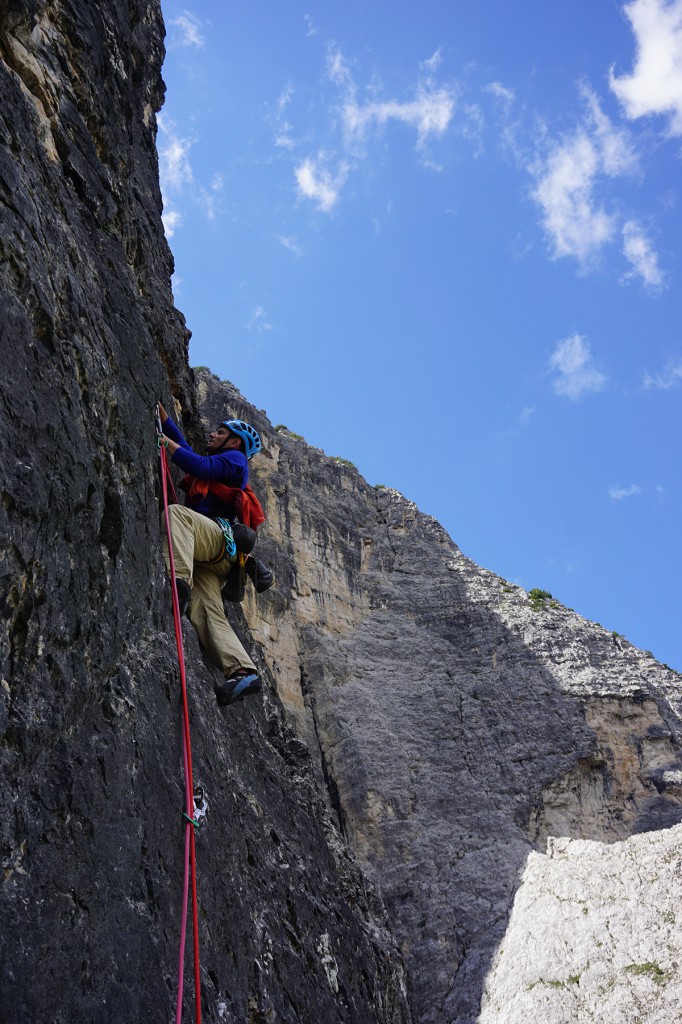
<point x="229" y="467"/>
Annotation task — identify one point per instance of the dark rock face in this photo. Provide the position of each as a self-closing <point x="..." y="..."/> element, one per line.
<point x="423" y="727"/>
<point x="455" y="725"/>
<point x="90" y="758"/>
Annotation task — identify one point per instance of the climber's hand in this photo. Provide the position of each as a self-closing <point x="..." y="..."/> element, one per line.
<point x="168" y="444"/>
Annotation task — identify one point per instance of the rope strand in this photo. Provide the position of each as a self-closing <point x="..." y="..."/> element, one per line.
<point x="190" y="852"/>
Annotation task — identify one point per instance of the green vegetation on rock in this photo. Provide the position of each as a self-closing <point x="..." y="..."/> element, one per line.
<point x="539" y="598"/>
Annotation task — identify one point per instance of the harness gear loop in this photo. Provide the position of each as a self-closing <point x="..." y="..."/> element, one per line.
<point x="230" y="543"/>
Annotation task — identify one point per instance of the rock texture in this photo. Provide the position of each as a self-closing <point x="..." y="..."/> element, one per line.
<point x="456" y="723"/>
<point x="424" y="726"/>
<point x="594" y="936"/>
<point x="91" y="832"/>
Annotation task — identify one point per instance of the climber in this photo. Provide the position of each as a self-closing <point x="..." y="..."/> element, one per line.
<point x="204" y="551"/>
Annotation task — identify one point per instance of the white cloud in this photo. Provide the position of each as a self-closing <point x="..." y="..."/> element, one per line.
<point x="639" y="251"/>
<point x="434" y="61"/>
<point x="671" y="377"/>
<point x="429" y="113"/>
<point x="576" y="225"/>
<point x="575" y="373"/>
<point x="283" y="140"/>
<point x="526" y="414"/>
<point x="172" y="220"/>
<point x="175" y="170"/>
<point x="285" y="97"/>
<point x="618" y="493"/>
<point x="190" y="30"/>
<point x="310" y="26"/>
<point x="315" y="182"/>
<point x="283" y="128"/>
<point x="177" y="178"/>
<point x="211" y="199"/>
<point x="291" y="243"/>
<point x="655" y="85"/>
<point x="258" y="321"/>
<point x="564" y="192"/>
<point x="616" y="152"/>
<point x="338" y="70"/>
<point x="501" y="92"/>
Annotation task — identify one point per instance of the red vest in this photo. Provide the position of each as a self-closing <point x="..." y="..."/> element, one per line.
<point x="245" y="503"/>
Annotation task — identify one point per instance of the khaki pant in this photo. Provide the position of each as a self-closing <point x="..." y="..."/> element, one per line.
<point x="197" y="542"/>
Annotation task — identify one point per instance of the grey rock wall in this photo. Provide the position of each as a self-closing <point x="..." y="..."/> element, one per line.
<point x="423" y="732"/>
<point x="91" y="833"/>
<point x="455" y="725"/>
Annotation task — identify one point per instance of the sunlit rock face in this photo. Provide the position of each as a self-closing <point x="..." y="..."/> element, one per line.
<point x="91" y="795"/>
<point x="455" y="723"/>
<point x="594" y="934"/>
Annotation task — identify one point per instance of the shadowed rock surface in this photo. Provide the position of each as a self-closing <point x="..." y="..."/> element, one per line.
<point x="455" y="723"/>
<point x="424" y="727"/>
<point x="90" y="756"/>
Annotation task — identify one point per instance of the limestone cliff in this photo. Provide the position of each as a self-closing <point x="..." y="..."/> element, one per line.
<point x="425" y="728"/>
<point x="90" y="759"/>
<point x="456" y="722"/>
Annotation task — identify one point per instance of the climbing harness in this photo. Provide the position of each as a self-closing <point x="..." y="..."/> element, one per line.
<point x="190" y="814"/>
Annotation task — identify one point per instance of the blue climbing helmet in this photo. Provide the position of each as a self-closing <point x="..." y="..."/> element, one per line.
<point x="249" y="436"/>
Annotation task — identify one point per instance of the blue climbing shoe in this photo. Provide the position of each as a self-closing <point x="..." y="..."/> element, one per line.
<point x="236" y="688"/>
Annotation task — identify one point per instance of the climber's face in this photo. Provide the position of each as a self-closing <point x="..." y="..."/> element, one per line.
<point x="221" y="439"/>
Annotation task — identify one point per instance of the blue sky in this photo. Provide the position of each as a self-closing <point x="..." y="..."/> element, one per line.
<point x="444" y="241"/>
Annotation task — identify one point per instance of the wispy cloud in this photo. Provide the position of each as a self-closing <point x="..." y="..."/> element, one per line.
<point x="179" y="186"/>
<point x="211" y="198"/>
<point x="501" y="92"/>
<point x="655" y="84"/>
<point x="189" y="30"/>
<point x="434" y="61"/>
<point x="576" y="224"/>
<point x="666" y="379"/>
<point x="428" y="111"/>
<point x="258" y="321"/>
<point x="618" y="493"/>
<point x="525" y="414"/>
<point x="175" y="172"/>
<point x="338" y="69"/>
<point x="311" y="29"/>
<point x="172" y="219"/>
<point x="175" y="169"/>
<point x="641" y="255"/>
<point x="575" y="373"/>
<point x="315" y="181"/>
<point x="292" y="244"/>
<point x="283" y="128"/>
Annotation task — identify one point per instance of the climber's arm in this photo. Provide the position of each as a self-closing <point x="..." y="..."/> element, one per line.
<point x="172" y="435"/>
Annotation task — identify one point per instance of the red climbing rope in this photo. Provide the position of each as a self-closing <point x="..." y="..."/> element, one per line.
<point x="190" y="853"/>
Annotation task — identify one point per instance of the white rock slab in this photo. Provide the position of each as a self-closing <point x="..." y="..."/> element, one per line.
<point x="594" y="935"/>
